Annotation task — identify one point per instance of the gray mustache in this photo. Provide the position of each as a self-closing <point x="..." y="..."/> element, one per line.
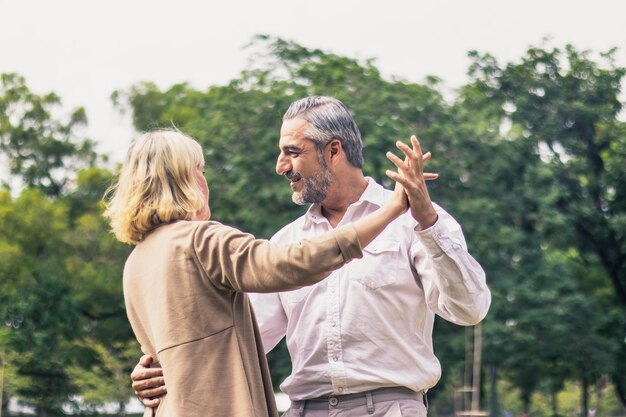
<point x="291" y="175"/>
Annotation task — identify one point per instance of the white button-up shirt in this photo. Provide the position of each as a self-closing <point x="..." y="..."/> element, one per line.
<point x="369" y="324"/>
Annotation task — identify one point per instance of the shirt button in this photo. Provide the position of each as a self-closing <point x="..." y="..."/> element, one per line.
<point x="332" y="323"/>
<point x="333" y="401"/>
<point x="335" y="358"/>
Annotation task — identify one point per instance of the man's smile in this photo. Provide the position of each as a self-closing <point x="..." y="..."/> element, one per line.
<point x="293" y="177"/>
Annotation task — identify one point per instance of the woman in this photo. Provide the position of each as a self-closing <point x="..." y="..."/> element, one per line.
<point x="185" y="281"/>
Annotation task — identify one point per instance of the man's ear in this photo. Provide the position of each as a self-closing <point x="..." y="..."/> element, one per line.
<point x="335" y="149"/>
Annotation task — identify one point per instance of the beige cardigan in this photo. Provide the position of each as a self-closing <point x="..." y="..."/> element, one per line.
<point x="184" y="290"/>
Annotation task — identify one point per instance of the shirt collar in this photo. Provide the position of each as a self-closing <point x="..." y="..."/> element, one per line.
<point x="374" y="194"/>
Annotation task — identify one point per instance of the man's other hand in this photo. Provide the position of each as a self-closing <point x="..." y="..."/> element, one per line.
<point x="148" y="381"/>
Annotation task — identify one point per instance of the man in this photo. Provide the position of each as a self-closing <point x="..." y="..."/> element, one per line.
<point x="361" y="340"/>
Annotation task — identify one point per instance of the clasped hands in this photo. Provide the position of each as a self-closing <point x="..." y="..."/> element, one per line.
<point x="412" y="178"/>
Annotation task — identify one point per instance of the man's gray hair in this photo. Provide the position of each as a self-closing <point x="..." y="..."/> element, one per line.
<point x="328" y="119"/>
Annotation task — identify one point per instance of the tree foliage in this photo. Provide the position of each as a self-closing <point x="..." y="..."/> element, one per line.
<point x="564" y="107"/>
<point x="41" y="150"/>
<point x="60" y="268"/>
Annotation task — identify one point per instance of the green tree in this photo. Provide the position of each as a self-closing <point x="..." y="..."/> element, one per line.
<point x="60" y="268"/>
<point x="40" y="150"/>
<point x="62" y="300"/>
<point x="40" y="313"/>
<point x="564" y="107"/>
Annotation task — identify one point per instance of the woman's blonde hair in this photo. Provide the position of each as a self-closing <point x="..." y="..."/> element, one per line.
<point x="156" y="185"/>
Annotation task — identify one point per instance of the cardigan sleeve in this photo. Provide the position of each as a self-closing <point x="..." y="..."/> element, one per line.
<point x="236" y="260"/>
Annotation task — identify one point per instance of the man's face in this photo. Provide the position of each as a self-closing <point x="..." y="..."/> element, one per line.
<point x="300" y="162"/>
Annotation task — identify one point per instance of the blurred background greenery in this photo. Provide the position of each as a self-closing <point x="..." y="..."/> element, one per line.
<point x="532" y="162"/>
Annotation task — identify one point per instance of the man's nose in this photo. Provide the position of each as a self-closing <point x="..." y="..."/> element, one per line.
<point x="282" y="165"/>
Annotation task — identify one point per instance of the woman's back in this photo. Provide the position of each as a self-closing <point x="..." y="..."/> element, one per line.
<point x="199" y="329"/>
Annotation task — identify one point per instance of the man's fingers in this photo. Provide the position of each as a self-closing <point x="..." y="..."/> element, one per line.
<point x="145" y="360"/>
<point x="417" y="148"/>
<point x="152" y="382"/>
<point x="397" y="178"/>
<point x="154" y="402"/>
<point x="412" y="163"/>
<point x="406" y="150"/>
<point x="428" y="176"/>
<point x="148" y="383"/>
<point x="148" y="394"/>
<point x="140" y="373"/>
<point x="399" y="163"/>
<point x="416" y="151"/>
<point x="415" y="158"/>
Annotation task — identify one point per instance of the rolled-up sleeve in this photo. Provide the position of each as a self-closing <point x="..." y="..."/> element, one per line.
<point x="454" y="282"/>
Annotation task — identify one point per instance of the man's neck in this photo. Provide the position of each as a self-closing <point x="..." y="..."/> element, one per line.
<point x="343" y="192"/>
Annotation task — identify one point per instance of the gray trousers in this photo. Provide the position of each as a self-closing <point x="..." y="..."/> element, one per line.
<point x="384" y="402"/>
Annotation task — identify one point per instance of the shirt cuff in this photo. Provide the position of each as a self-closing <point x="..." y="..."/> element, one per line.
<point x="348" y="242"/>
<point x="435" y="238"/>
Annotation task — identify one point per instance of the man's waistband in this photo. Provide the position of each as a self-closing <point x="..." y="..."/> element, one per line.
<point x="361" y="398"/>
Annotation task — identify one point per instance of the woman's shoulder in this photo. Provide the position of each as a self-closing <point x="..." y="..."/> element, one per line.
<point x="184" y="229"/>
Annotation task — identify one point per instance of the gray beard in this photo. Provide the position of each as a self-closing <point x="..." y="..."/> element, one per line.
<point x="314" y="188"/>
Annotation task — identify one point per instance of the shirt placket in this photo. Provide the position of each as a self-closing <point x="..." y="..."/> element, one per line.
<point x="333" y="335"/>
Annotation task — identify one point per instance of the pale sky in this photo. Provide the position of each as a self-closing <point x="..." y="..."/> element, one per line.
<point x="85" y="49"/>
